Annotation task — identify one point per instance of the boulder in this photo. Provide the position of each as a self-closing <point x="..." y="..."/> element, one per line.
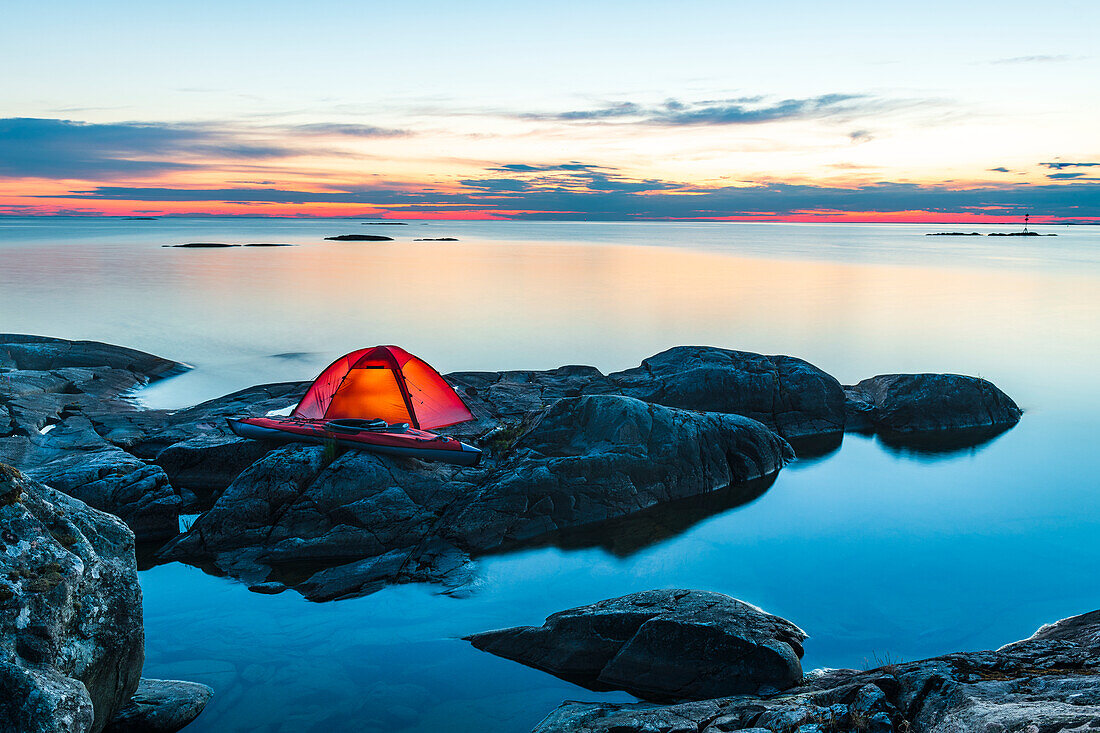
<point x="161" y="706"/>
<point x="789" y="395"/>
<point x="599" y="457"/>
<point x="929" y="414"/>
<point x="909" y="404"/>
<point x="660" y="645"/>
<point x="1049" y="682"/>
<point x="71" y="638"/>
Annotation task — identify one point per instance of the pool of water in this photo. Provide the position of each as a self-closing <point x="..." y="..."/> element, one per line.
<point x="877" y="554"/>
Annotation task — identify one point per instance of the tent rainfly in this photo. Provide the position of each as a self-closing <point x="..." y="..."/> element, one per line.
<point x="384" y="382"/>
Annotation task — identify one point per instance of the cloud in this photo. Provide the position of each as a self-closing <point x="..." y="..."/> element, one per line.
<point x="861" y="136"/>
<point x="1059" y="165"/>
<point x="547" y="192"/>
<point x="1036" y="59"/>
<point x="56" y="148"/>
<point x="734" y="111"/>
<point x="345" y="130"/>
<point x="53" y="148"/>
<point x="999" y="169"/>
<point x="1061" y="176"/>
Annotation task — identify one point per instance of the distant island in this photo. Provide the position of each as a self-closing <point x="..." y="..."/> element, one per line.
<point x="139" y="218"/>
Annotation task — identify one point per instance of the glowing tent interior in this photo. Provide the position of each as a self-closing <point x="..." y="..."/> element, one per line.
<point x="384" y="382"/>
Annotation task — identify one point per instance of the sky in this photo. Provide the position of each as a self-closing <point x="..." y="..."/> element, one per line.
<point x="785" y="110"/>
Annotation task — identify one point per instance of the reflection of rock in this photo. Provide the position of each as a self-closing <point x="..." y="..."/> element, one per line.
<point x="365" y="520"/>
<point x="940" y="443"/>
<point x="161" y="706"/>
<point x="660" y="644"/>
<point x="924" y="403"/>
<point x="1050" y="682"/>
<point x="70" y="611"/>
<point x="624" y="536"/>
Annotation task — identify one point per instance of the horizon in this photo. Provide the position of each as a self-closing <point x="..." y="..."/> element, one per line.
<point x="608" y="111"/>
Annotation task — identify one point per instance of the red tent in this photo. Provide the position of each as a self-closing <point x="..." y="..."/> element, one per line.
<point x="384" y="382"/>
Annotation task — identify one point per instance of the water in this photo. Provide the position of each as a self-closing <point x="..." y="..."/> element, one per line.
<point x="876" y="553"/>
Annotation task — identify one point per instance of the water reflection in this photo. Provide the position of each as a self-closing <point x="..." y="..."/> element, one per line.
<point x="942" y="443"/>
<point x="627" y="535"/>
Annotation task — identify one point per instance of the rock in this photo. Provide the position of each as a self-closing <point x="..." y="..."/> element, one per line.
<point x="789" y="395"/>
<point x="269" y="244"/>
<point x="161" y="706"/>
<point x="206" y="464"/>
<point x="365" y="520"/>
<point x="209" y="418"/>
<point x="293" y="508"/>
<point x="437" y="239"/>
<point x="203" y="245"/>
<point x="20" y="351"/>
<point x="923" y="403"/>
<point x="1049" y="682"/>
<point x="660" y="645"/>
<point x="70" y="611"/>
<point x="360" y="238"/>
<point x="267" y="589"/>
<point x="599" y="457"/>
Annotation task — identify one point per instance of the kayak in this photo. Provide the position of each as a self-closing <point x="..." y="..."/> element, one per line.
<point x="375" y="436"/>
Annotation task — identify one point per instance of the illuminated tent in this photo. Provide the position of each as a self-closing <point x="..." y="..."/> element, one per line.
<point x="384" y="382"/>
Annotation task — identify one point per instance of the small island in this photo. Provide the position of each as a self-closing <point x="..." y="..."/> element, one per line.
<point x="359" y="238"/>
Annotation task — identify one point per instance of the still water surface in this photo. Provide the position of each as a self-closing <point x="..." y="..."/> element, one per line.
<point x="876" y="553"/>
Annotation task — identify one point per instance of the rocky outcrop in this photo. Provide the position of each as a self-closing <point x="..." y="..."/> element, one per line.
<point x="161" y="706"/>
<point x="360" y="238"/>
<point x="789" y="395"/>
<point x="71" y="638"/>
<point x="1048" y="683"/>
<point x="364" y="520"/>
<point x="598" y="457"/>
<point x="660" y="645"/>
<point x="912" y="407"/>
<point x="71" y="424"/>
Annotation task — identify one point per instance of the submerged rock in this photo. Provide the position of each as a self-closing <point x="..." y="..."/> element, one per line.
<point x="1049" y="682"/>
<point x="161" y="706"/>
<point x="660" y="645"/>
<point x="70" y="611"/>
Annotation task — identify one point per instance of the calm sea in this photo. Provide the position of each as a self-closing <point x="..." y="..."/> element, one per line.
<point x="878" y="555"/>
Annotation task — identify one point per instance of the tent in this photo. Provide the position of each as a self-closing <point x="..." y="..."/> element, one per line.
<point x="384" y="382"/>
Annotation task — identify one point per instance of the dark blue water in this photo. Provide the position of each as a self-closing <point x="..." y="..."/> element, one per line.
<point x="877" y="554"/>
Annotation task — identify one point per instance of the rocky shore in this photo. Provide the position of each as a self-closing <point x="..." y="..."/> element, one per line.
<point x="574" y="456"/>
<point x="571" y="453"/>
<point x="733" y="667"/>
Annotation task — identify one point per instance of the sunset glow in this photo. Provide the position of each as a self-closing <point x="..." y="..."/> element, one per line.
<point x="577" y="120"/>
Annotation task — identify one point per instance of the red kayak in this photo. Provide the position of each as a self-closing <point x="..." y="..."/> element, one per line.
<point x="375" y="436"/>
